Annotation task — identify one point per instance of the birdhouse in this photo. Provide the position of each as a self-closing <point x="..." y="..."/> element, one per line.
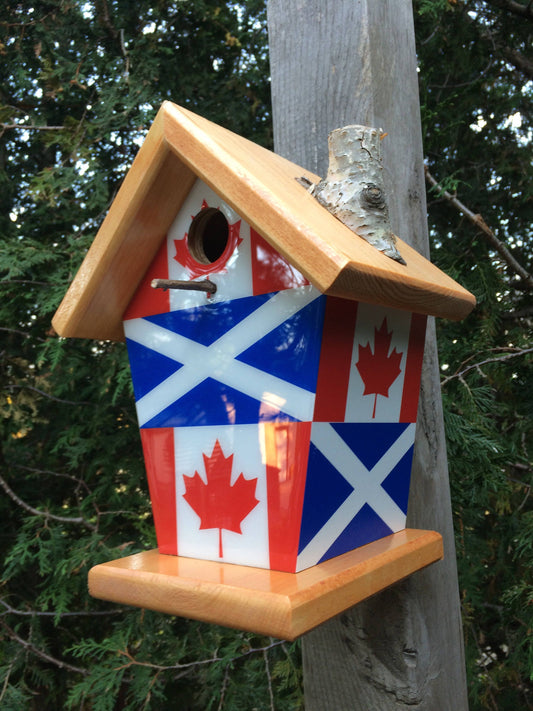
<point x="275" y="355"/>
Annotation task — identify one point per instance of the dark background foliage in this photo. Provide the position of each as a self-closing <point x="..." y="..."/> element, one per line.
<point x="80" y="83"/>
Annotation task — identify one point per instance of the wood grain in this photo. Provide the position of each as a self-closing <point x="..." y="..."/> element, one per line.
<point x="262" y="188"/>
<point x="356" y="64"/>
<point x="273" y="603"/>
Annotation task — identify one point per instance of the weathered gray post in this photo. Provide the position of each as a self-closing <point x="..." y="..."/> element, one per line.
<point x="334" y="63"/>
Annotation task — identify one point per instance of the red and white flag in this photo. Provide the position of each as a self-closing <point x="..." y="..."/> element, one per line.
<point x="370" y="363"/>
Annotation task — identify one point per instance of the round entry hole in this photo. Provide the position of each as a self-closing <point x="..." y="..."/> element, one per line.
<point x="208" y="235"/>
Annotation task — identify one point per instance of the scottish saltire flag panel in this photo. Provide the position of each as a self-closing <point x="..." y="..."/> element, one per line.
<point x="277" y="423"/>
<point x="243" y="361"/>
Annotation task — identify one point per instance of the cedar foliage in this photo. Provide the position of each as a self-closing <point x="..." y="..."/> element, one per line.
<point x="80" y="83"/>
<point x="476" y="86"/>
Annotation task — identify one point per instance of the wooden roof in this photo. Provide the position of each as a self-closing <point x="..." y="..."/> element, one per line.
<point x="261" y="187"/>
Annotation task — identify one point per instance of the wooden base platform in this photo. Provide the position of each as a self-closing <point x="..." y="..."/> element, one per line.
<point x="283" y="605"/>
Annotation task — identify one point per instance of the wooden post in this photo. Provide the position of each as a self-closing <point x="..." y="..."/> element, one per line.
<point x="334" y="63"/>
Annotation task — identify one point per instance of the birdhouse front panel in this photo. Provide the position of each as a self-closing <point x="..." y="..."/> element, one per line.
<point x="277" y="423"/>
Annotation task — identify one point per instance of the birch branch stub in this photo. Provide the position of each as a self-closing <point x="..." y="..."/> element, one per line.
<point x="354" y="190"/>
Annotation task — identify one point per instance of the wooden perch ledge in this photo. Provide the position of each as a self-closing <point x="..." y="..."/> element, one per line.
<point x="283" y="605"/>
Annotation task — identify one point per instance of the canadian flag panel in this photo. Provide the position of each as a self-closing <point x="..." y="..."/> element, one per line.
<point x="244" y="361"/>
<point x="237" y="491"/>
<point x="248" y="265"/>
<point x="370" y="364"/>
<point x="357" y="487"/>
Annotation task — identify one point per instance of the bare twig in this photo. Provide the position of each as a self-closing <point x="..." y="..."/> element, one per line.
<point x="477" y="366"/>
<point x="40" y="653"/>
<point x="62" y="475"/>
<point x="519" y="313"/>
<point x="269" y="679"/>
<point x="204" y="285"/>
<point x="27" y="127"/>
<point x="6" y="681"/>
<point x="62" y="519"/>
<point x="38" y="613"/>
<point x="517" y="59"/>
<point x="224" y="687"/>
<point x="480" y="223"/>
<point x="50" y="397"/>
<point x="516" y="8"/>
<point x="21" y="333"/>
<point x="191" y="665"/>
<point x="525" y="499"/>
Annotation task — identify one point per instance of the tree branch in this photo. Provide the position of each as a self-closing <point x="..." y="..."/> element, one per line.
<point x="519" y="313"/>
<point x="38" y="613"/>
<point x="487" y="33"/>
<point x="202" y="662"/>
<point x="28" y="127"/>
<point x="518" y="60"/>
<point x="516" y="352"/>
<point x="515" y="7"/>
<point x="51" y="397"/>
<point x="480" y="223"/>
<point x="62" y="519"/>
<point x="21" y="333"/>
<point x="40" y="653"/>
<point x="62" y="475"/>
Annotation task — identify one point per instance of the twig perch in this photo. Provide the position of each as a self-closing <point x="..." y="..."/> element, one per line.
<point x="208" y="286"/>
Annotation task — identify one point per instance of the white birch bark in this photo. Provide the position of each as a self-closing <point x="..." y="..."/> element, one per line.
<point x="354" y="189"/>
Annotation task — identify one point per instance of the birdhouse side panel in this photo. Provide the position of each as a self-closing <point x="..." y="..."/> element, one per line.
<point x="158" y="451"/>
<point x="357" y="487"/>
<point x="243" y="361"/>
<point x="362" y="437"/>
<point x="370" y="363"/>
<point x="231" y="493"/>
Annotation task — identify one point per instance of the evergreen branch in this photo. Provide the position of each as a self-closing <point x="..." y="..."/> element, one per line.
<point x="479" y="222"/>
<point x="38" y="613"/>
<point x="61" y="519"/>
<point x="28" y="646"/>
<point x="477" y="366"/>
<point x="104" y="19"/>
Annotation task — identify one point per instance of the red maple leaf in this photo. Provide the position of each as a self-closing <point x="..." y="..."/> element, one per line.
<point x="219" y="504"/>
<point x="378" y="369"/>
